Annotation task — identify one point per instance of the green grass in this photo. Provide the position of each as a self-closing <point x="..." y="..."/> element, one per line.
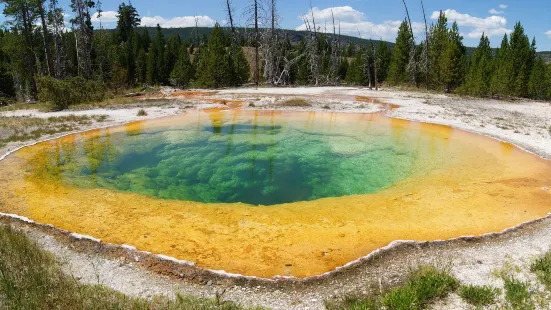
<point x="542" y="268"/>
<point x="478" y="295"/>
<point x="31" y="278"/>
<point x="355" y="303"/>
<point x="422" y="286"/>
<point x="517" y="294"/>
<point x="296" y="102"/>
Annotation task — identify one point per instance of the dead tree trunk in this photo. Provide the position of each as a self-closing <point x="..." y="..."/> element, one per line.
<point x="270" y="47"/>
<point x="46" y="38"/>
<point x="83" y="35"/>
<point x="335" y="57"/>
<point x="427" y="65"/>
<point x="374" y="56"/>
<point x="368" y="68"/>
<point x="235" y="37"/>
<point x="313" y="50"/>
<point x="256" y="47"/>
<point x="29" y="58"/>
<point x="57" y="22"/>
<point x="412" y="65"/>
<point x="230" y="16"/>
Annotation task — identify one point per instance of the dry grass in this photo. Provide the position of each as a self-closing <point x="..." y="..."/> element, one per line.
<point x="296" y="102"/>
<point x="26" y="106"/>
<point x="31" y="278"/>
<point x="16" y="129"/>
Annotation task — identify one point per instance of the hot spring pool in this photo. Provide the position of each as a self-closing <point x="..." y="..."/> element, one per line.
<point x="274" y="193"/>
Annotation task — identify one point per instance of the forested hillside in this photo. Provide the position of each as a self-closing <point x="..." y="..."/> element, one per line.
<point x="188" y="33"/>
<point x="40" y="59"/>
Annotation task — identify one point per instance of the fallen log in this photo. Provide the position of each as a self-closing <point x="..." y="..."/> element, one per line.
<point x="134" y="94"/>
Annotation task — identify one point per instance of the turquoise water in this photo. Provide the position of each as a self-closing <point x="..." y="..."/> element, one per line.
<point x="254" y="158"/>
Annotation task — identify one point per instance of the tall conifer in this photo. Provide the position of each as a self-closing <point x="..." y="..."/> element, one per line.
<point x="397" y="73"/>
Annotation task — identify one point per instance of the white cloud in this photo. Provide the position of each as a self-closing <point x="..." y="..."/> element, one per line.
<point x="106" y="17"/>
<point x="491" y="26"/>
<point x="495" y="12"/>
<point x="548" y="33"/>
<point x="503" y="6"/>
<point x="177" y="22"/>
<point x="353" y="21"/>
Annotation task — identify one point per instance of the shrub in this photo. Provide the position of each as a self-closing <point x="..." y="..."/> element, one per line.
<point x="423" y="285"/>
<point x="478" y="295"/>
<point x="142" y="112"/>
<point x="402" y="298"/>
<point x="542" y="268"/>
<point x="63" y="93"/>
<point x="517" y="294"/>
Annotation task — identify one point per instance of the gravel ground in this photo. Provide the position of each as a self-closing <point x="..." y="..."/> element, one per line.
<point x="526" y="124"/>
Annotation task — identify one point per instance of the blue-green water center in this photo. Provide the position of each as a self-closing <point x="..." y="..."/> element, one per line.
<point x="259" y="158"/>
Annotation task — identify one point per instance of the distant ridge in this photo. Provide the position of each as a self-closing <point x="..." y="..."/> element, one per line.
<point x="188" y="33"/>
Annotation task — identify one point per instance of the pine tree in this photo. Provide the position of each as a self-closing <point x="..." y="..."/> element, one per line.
<point x="343" y="68"/>
<point x="6" y="81"/>
<point x="155" y="72"/>
<point x="127" y="20"/>
<point x="383" y="56"/>
<point x="356" y="74"/>
<point x="159" y="44"/>
<point x="214" y="67"/>
<point x="501" y="82"/>
<point x="20" y="44"/>
<point x="350" y="49"/>
<point x="397" y="72"/>
<point x="451" y="63"/>
<point x="128" y="53"/>
<point x="539" y="83"/>
<point x="522" y="56"/>
<point x="439" y="39"/>
<point x="241" y="70"/>
<point x="151" y="66"/>
<point x="146" y="40"/>
<point x="141" y="66"/>
<point x="171" y="55"/>
<point x="302" y="75"/>
<point x="477" y="82"/>
<point x="183" y="71"/>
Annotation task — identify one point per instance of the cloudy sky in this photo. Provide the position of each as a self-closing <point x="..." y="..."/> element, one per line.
<point x="365" y="18"/>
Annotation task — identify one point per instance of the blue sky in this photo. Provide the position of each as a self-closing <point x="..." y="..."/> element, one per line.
<point x="368" y="18"/>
